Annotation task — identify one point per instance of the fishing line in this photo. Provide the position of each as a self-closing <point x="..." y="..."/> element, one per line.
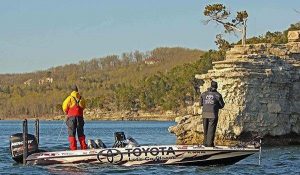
<point x="61" y="127"/>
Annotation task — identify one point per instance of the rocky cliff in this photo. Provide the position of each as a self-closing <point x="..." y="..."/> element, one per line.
<point x="261" y="88"/>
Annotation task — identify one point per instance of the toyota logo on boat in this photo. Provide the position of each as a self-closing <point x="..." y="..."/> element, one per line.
<point x="111" y="155"/>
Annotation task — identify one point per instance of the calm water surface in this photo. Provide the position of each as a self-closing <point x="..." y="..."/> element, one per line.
<point x="53" y="136"/>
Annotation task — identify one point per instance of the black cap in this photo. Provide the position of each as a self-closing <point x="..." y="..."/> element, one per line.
<point x="214" y="84"/>
<point x="74" y="88"/>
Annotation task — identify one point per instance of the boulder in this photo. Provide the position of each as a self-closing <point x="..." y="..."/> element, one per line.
<point x="294" y="36"/>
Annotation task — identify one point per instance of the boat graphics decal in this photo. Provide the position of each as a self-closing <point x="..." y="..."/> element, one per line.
<point x="111" y="155"/>
<point x="137" y="154"/>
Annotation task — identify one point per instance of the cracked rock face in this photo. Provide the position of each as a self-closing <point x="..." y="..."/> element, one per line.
<point x="260" y="85"/>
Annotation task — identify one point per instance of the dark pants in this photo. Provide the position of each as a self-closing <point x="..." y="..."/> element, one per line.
<point x="209" y="129"/>
<point x="75" y="124"/>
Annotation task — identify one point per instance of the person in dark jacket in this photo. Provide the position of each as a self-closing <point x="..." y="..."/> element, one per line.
<point x="212" y="101"/>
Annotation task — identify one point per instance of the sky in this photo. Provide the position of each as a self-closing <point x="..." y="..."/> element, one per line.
<point x="40" y="34"/>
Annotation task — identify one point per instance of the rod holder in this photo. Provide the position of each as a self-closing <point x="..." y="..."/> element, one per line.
<point x="25" y="141"/>
<point x="37" y="130"/>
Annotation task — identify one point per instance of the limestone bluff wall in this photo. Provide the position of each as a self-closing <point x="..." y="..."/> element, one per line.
<point x="261" y="88"/>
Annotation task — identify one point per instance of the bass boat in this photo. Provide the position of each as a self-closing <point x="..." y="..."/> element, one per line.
<point x="127" y="152"/>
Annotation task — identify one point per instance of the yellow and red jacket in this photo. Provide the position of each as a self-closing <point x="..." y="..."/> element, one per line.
<point x="74" y="105"/>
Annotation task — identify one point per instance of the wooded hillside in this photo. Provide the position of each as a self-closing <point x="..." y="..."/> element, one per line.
<point x="158" y="78"/>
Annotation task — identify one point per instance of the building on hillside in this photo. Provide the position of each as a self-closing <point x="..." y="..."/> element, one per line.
<point x="150" y="61"/>
<point x="28" y="82"/>
<point x="49" y="80"/>
<point x="45" y="80"/>
<point x="41" y="81"/>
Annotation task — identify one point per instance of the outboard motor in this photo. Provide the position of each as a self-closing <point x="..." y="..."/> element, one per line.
<point x="120" y="140"/>
<point x="16" y="146"/>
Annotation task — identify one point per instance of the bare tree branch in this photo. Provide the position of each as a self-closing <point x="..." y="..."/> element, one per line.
<point x="228" y="25"/>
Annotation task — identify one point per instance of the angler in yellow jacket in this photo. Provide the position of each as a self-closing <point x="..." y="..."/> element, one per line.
<point x="73" y="106"/>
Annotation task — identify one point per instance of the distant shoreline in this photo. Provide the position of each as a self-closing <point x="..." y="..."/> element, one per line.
<point x="62" y="118"/>
<point x="94" y="115"/>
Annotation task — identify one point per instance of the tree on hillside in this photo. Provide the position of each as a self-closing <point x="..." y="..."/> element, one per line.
<point x="222" y="44"/>
<point x="138" y="56"/>
<point x="220" y="14"/>
<point x="274" y="37"/>
<point x="126" y="59"/>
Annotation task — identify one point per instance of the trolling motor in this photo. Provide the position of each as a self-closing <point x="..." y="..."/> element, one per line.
<point x="254" y="143"/>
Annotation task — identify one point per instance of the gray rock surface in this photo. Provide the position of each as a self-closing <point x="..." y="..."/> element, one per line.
<point x="260" y="84"/>
<point x="294" y="36"/>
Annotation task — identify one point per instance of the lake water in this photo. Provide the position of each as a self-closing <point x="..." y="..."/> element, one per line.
<point x="53" y="136"/>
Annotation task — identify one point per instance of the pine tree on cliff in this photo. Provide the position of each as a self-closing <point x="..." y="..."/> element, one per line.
<point x="220" y="14"/>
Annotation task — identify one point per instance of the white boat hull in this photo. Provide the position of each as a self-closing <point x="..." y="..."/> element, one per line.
<point x="147" y="155"/>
